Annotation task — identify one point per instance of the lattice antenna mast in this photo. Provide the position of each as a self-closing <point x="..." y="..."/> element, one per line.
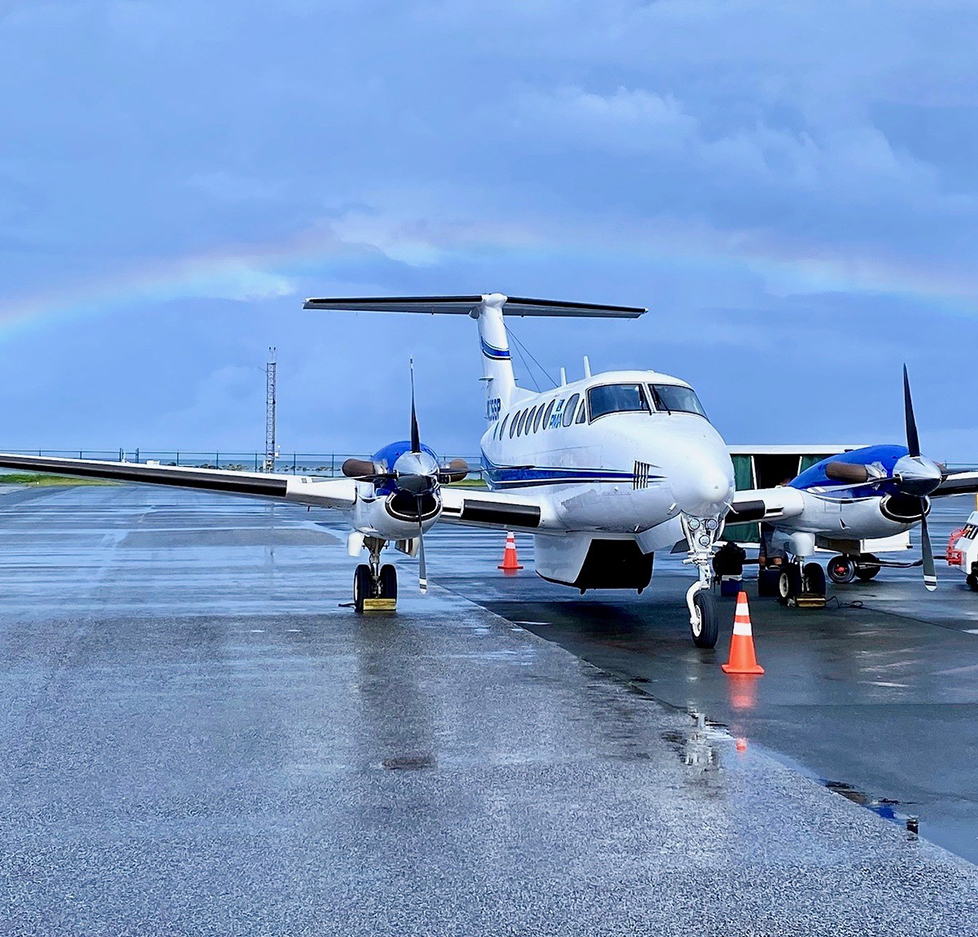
<point x="270" y="451"/>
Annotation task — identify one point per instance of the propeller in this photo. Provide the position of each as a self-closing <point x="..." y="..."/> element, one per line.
<point x="913" y="474"/>
<point x="920" y="480"/>
<point x="416" y="450"/>
<point x="415" y="473"/>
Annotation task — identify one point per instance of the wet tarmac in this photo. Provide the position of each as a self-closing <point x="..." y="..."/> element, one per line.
<point x="877" y="695"/>
<point x="199" y="738"/>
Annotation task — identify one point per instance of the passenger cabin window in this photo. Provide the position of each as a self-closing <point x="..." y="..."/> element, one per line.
<point x="571" y="409"/>
<point x="521" y="424"/>
<point x="529" y="421"/>
<point x="617" y="398"/>
<point x="547" y="412"/>
<point x="675" y="399"/>
<point x="502" y="426"/>
<point x="512" y="426"/>
<point x="538" y="418"/>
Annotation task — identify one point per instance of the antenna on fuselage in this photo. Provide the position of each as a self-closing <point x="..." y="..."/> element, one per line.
<point x="587" y="367"/>
<point x="563" y="378"/>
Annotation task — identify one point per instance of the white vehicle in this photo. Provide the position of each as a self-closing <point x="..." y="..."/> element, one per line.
<point x="603" y="472"/>
<point x="963" y="551"/>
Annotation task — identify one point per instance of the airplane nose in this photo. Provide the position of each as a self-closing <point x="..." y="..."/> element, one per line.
<point x="704" y="491"/>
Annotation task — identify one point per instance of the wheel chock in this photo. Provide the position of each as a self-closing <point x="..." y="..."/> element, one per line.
<point x="809" y="600"/>
<point x="379" y="605"/>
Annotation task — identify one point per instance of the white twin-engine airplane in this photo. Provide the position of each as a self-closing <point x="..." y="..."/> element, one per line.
<point x="603" y="472"/>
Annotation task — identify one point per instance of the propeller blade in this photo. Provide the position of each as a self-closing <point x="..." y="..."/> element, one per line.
<point x="455" y="471"/>
<point x="847" y="472"/>
<point x="415" y="433"/>
<point x="927" y="554"/>
<point x="913" y="441"/>
<point x="423" y="566"/>
<point x="363" y="470"/>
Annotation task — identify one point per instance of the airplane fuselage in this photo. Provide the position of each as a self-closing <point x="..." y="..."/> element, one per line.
<point x="609" y="457"/>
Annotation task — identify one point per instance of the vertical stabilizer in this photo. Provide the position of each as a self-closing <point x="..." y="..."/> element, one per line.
<point x="497" y="364"/>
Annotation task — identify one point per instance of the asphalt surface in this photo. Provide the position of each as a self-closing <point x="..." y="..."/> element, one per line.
<point x="199" y="739"/>
<point x="876" y="696"/>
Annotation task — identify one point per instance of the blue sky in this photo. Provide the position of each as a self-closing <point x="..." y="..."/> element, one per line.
<point x="792" y="189"/>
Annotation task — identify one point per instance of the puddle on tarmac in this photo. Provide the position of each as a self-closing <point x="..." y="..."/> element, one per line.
<point x="882" y="806"/>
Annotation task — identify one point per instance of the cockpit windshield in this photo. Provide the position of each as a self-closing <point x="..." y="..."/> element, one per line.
<point x="675" y="399"/>
<point x="617" y="398"/>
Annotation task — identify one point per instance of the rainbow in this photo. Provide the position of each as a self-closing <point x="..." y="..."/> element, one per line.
<point x="263" y="272"/>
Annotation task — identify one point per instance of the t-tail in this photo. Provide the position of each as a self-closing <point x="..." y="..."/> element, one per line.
<point x="488" y="310"/>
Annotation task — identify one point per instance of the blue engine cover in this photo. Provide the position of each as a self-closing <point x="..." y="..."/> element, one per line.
<point x="389" y="454"/>
<point x="885" y="456"/>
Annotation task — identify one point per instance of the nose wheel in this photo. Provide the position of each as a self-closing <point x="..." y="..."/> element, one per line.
<point x="375" y="586"/>
<point x="704" y="623"/>
<point x="701" y="535"/>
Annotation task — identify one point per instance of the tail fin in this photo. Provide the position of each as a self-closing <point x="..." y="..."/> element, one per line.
<point x="488" y="310"/>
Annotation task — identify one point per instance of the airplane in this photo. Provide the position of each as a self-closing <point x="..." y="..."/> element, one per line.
<point x="603" y="472"/>
<point x="870" y="493"/>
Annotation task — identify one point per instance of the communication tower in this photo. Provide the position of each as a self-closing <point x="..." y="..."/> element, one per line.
<point x="270" y="451"/>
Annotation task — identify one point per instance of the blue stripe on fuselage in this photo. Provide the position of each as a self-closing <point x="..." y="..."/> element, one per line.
<point x="526" y="476"/>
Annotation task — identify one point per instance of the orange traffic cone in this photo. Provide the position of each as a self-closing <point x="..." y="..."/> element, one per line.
<point x="510" y="562"/>
<point x="742" y="659"/>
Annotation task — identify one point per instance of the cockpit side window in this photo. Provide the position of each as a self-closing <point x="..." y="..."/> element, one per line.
<point x="672" y="398"/>
<point x="617" y="398"/>
<point x="582" y="412"/>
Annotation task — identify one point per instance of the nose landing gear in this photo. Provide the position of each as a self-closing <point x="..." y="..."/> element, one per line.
<point x="375" y="586"/>
<point x="701" y="535"/>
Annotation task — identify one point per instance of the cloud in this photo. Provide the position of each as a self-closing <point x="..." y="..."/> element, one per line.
<point x="750" y="160"/>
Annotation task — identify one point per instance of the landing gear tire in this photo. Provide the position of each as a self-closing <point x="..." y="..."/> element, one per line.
<point x="767" y="581"/>
<point x="865" y="573"/>
<point x="706" y="629"/>
<point x="842" y="569"/>
<point x="972" y="581"/>
<point x="814" y="579"/>
<point x="388" y="582"/>
<point x="789" y="583"/>
<point x="362" y="586"/>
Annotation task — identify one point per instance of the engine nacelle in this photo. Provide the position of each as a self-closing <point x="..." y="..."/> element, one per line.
<point x="394" y="515"/>
<point x="841" y="524"/>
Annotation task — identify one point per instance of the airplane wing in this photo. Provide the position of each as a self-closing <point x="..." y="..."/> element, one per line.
<point x="478" y="508"/>
<point x="957" y="483"/>
<point x="765" y="504"/>
<point x="333" y="493"/>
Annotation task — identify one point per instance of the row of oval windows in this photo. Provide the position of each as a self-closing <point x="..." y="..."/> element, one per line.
<point x="551" y="416"/>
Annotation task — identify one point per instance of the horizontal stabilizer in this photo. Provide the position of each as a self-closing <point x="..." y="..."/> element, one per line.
<point x="466" y="306"/>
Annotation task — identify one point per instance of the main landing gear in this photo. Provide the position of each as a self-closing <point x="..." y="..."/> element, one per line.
<point x="794" y="581"/>
<point x="375" y="586"/>
<point x="704" y="622"/>
<point x="845" y="568"/>
<point x="802" y="585"/>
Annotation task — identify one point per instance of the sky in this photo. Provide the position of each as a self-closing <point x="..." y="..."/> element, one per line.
<point x="790" y="188"/>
